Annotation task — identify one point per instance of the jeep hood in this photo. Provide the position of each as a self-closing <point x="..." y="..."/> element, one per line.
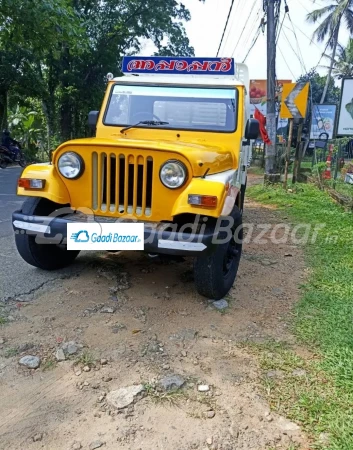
<point x="201" y="157"/>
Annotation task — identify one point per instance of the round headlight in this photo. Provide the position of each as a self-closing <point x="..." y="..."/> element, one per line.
<point x="173" y="174"/>
<point x="70" y="165"/>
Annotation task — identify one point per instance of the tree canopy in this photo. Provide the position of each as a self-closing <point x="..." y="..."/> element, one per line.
<point x="56" y="53"/>
<point x="317" y="84"/>
<point x="330" y="18"/>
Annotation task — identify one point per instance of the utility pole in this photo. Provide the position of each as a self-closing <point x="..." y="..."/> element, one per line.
<point x="271" y="88"/>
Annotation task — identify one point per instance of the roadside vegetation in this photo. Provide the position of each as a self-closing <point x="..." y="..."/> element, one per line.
<point x="316" y="390"/>
<point x="55" y="55"/>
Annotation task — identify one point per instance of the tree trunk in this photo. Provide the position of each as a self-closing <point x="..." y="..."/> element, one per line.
<point x="65" y="109"/>
<point x="49" y="117"/>
<point x="3" y="110"/>
<point x="328" y="80"/>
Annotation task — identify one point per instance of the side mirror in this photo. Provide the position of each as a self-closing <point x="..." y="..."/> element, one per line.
<point x="93" y="119"/>
<point x="252" y="129"/>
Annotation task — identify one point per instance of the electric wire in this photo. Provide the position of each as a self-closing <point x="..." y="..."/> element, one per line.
<point x="225" y="27"/>
<point x="295" y="52"/>
<point x="253" y="43"/>
<point x="230" y="28"/>
<point x="246" y="22"/>
<point x="285" y="61"/>
<point x="297" y="41"/>
<point x="250" y="34"/>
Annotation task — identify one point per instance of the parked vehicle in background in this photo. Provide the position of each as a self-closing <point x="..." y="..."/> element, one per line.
<point x="7" y="157"/>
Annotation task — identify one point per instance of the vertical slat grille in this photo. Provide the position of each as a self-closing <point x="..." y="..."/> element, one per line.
<point x="122" y="183"/>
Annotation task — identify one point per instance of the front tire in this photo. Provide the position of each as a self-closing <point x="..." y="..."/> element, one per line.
<point x="215" y="274"/>
<point x="43" y="256"/>
<point x="242" y="195"/>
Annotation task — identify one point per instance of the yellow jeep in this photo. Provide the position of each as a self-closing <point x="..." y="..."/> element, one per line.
<point x="171" y="151"/>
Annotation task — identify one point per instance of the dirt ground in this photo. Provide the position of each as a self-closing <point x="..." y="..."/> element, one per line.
<point x="139" y="320"/>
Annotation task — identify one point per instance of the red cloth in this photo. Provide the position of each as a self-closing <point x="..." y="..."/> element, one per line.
<point x="262" y="120"/>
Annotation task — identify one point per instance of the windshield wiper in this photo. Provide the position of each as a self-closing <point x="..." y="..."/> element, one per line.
<point x="144" y="122"/>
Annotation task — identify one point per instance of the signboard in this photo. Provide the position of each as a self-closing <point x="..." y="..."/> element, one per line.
<point x="258" y="94"/>
<point x="178" y="65"/>
<point x="294" y="100"/>
<point x="323" y="121"/>
<point x="345" y="115"/>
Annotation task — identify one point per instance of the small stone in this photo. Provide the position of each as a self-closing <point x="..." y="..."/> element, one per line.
<point x="203" y="388"/>
<point x="78" y="373"/>
<point x="171" y="382"/>
<point x="184" y="335"/>
<point x="76" y="446"/>
<point x="210" y="414"/>
<point x="101" y="398"/>
<point x="209" y="441"/>
<point x="60" y="355"/>
<point x="96" y="444"/>
<point x="107" y="310"/>
<point x="2" y="341"/>
<point x="86" y="369"/>
<point x="299" y="373"/>
<point x="70" y="348"/>
<point x="166" y="367"/>
<point x="86" y="383"/>
<point x="25" y="347"/>
<point x="220" y="304"/>
<point x="324" y="439"/>
<point x="123" y="397"/>
<point x="37" y="437"/>
<point x="286" y="425"/>
<point x="118" y="327"/>
<point x="107" y="379"/>
<point x="32" y="362"/>
<point x="275" y="374"/>
<point x="184" y="353"/>
<point x="104" y="362"/>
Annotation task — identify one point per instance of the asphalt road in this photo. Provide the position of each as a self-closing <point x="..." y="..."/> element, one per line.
<point x="17" y="278"/>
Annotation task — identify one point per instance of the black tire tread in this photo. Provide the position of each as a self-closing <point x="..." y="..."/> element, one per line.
<point x="43" y="256"/>
<point x="208" y="281"/>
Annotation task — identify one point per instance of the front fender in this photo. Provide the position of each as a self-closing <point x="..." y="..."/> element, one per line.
<point x="201" y="186"/>
<point x="54" y="189"/>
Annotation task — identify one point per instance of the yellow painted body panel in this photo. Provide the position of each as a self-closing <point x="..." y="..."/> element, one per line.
<point x="111" y="152"/>
<point x="54" y="189"/>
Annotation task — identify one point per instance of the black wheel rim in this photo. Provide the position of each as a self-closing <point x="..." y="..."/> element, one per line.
<point x="232" y="254"/>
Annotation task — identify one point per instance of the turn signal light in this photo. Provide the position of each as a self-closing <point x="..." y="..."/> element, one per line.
<point x="31" y="183"/>
<point x="203" y="200"/>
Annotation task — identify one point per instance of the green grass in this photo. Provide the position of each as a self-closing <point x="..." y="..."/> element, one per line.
<point x="343" y="188"/>
<point x="86" y="359"/>
<point x="3" y="320"/>
<point x="49" y="364"/>
<point x="256" y="170"/>
<point x="323" y="401"/>
<point x="306" y="165"/>
<point x="10" y="352"/>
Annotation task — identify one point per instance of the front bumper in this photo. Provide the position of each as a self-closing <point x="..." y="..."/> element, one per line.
<point x="158" y="239"/>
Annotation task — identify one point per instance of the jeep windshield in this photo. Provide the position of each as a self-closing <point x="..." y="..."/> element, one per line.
<point x="184" y="108"/>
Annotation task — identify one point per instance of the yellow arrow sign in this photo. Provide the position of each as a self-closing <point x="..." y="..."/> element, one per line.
<point x="294" y="100"/>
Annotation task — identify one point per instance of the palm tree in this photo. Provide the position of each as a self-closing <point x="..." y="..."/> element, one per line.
<point x="332" y="16"/>
<point x="343" y="66"/>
